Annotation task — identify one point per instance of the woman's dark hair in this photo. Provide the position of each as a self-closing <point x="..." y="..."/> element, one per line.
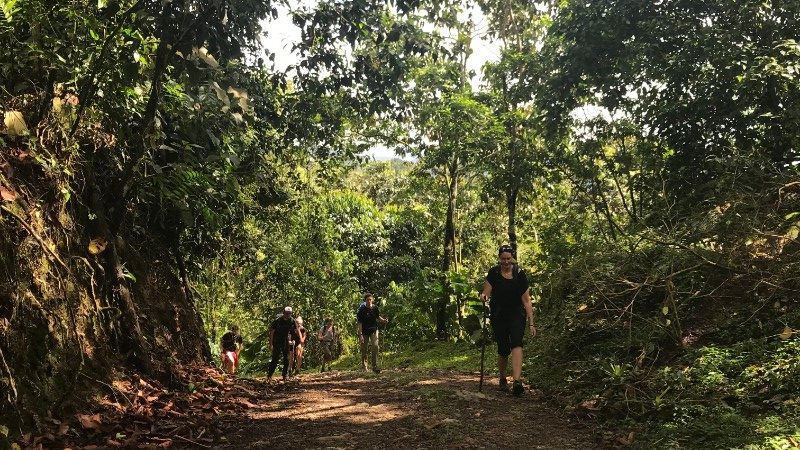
<point x="505" y="248"/>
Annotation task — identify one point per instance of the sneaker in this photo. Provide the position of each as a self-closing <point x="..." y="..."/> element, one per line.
<point x="503" y="386"/>
<point x="517" y="389"/>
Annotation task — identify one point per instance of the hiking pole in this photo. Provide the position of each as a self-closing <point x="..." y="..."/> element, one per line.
<point x="483" y="345"/>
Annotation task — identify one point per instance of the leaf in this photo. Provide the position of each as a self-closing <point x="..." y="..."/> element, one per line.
<point x="7" y="194"/>
<point x="89" y="422"/>
<point x="203" y="54"/>
<point x="792" y="215"/>
<point x="665" y="310"/>
<point x="63" y="429"/>
<point x="221" y="95"/>
<point x="786" y="333"/>
<point x="15" y="123"/>
<point x="4" y="430"/>
<point x="97" y="245"/>
<point x="57" y="104"/>
<point x="583" y="307"/>
<point x="244" y="99"/>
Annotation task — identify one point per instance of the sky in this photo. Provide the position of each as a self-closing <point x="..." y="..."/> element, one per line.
<point x="282" y="34"/>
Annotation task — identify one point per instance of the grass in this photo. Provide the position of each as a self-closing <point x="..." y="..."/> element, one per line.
<point x="459" y="356"/>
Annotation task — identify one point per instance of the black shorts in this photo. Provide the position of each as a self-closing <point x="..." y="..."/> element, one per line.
<point x="508" y="331"/>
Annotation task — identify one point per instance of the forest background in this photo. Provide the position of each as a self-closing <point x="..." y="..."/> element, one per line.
<point x="161" y="179"/>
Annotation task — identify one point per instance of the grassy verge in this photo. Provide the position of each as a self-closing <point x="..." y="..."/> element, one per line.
<point x="458" y="356"/>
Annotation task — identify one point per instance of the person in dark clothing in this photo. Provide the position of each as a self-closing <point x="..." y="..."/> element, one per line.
<point x="507" y="287"/>
<point x="368" y="317"/>
<point x="230" y="345"/>
<point x="281" y="331"/>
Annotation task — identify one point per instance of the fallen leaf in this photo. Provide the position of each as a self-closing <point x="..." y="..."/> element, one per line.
<point x="63" y="429"/>
<point x="15" y="123"/>
<point x="89" y="422"/>
<point x="583" y="307"/>
<point x="590" y="404"/>
<point x="97" y="245"/>
<point x="7" y="194"/>
<point x="786" y="333"/>
<point x="626" y="440"/>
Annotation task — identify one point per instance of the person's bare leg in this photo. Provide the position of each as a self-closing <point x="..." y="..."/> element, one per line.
<point x="502" y="363"/>
<point x="516" y="363"/>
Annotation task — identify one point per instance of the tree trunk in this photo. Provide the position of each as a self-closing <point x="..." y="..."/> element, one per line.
<point x="131" y="338"/>
<point x="511" y="203"/>
<point x="186" y="288"/>
<point x="447" y="254"/>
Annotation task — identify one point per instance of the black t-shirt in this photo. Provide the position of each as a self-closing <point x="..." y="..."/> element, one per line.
<point x="507" y="293"/>
<point x="368" y="318"/>
<point x="283" y="327"/>
<point x="229" y="341"/>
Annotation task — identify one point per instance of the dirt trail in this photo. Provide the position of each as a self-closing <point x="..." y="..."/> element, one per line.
<point x="393" y="409"/>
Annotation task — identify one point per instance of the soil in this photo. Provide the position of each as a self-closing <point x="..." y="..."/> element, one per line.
<point x="393" y="409"/>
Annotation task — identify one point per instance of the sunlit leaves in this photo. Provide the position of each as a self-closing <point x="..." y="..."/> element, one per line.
<point x="15" y="123"/>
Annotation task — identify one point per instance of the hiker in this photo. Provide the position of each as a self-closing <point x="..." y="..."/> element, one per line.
<point x="299" y="345"/>
<point x="230" y="346"/>
<point x="327" y="337"/>
<point x="507" y="286"/>
<point x="281" y="330"/>
<point x="368" y="317"/>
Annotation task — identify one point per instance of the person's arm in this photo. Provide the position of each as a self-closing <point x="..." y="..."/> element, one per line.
<point x="321" y="333"/>
<point x="487" y="291"/>
<point x="526" y="301"/>
<point x="271" y="337"/>
<point x="360" y="317"/>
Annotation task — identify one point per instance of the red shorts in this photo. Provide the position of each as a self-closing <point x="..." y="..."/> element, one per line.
<point x="231" y="356"/>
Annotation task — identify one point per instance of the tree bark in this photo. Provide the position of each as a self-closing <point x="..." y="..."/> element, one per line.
<point x="448" y="249"/>
<point x="511" y="203"/>
<point x="189" y="299"/>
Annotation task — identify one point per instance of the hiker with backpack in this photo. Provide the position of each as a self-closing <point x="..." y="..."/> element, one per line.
<point x="368" y="317"/>
<point x="507" y="287"/>
<point x="327" y="338"/>
<point x="281" y="331"/>
<point x="230" y="344"/>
